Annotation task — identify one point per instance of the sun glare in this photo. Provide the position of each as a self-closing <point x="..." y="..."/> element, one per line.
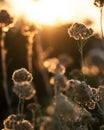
<point x="55" y="12"/>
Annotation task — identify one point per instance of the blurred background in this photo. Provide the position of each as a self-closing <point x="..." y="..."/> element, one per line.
<point x="51" y="19"/>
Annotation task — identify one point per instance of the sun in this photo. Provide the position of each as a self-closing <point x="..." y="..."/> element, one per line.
<point x="45" y="11"/>
<point x="55" y="12"/>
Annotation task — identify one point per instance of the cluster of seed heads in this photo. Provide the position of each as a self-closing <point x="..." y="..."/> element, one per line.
<point x="21" y="75"/>
<point x="79" y="31"/>
<point x="24" y="90"/>
<point x="22" y="84"/>
<point x="82" y="95"/>
<point x="12" y="122"/>
<point x="5" y="18"/>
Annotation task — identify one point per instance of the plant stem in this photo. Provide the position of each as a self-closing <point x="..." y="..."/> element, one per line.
<point x="22" y="105"/>
<point x="40" y="60"/>
<point x="19" y="106"/>
<point x="86" y="86"/>
<point x="101" y="25"/>
<point x="80" y="47"/>
<point x="33" y="118"/>
<point x="4" y="71"/>
<point x="55" y="87"/>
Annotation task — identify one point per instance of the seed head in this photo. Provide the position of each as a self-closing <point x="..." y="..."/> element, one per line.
<point x="21" y="75"/>
<point x="34" y="106"/>
<point x="24" y="90"/>
<point x="68" y="111"/>
<point x="80" y="32"/>
<point x="12" y="122"/>
<point x="5" y="18"/>
<point x="24" y="125"/>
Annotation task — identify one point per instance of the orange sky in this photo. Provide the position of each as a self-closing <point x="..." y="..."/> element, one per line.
<point x="53" y="12"/>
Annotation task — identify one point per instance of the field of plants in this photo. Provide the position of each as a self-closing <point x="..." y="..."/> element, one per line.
<point x="51" y="78"/>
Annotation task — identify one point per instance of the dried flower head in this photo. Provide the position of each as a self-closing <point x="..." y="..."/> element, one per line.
<point x="10" y="121"/>
<point x="79" y="31"/>
<point x="14" y="122"/>
<point x="61" y="82"/>
<point x="99" y="3"/>
<point x="90" y="104"/>
<point x="24" y="125"/>
<point x="24" y="90"/>
<point x="68" y="111"/>
<point x="21" y="75"/>
<point x="95" y="93"/>
<point x="5" y="18"/>
<point x="34" y="106"/>
<point x="81" y="92"/>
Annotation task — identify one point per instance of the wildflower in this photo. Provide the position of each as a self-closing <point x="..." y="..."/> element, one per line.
<point x="95" y="93"/>
<point x="90" y="104"/>
<point x="81" y="93"/>
<point x="33" y="106"/>
<point x="67" y="111"/>
<point x="24" y="90"/>
<point x="21" y="75"/>
<point x="80" y="32"/>
<point x="61" y="81"/>
<point x="12" y="122"/>
<point x="24" y="125"/>
<point x="99" y="3"/>
<point x="5" y="18"/>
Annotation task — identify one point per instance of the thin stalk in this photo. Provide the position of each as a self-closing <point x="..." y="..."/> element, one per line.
<point x="30" y="53"/>
<point x="55" y="88"/>
<point x="86" y="86"/>
<point x="4" y="71"/>
<point x="101" y="25"/>
<point x="33" y="118"/>
<point x="40" y="60"/>
<point x="59" y="121"/>
<point x="19" y="106"/>
<point x="22" y="105"/>
<point x="82" y="61"/>
<point x="81" y="44"/>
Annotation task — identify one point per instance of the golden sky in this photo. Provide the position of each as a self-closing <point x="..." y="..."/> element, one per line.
<point x="56" y="12"/>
